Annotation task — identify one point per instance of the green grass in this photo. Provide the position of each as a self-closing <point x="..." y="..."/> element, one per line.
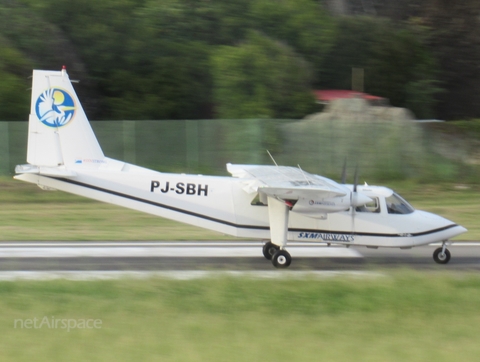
<point x="28" y="213"/>
<point x="404" y="316"/>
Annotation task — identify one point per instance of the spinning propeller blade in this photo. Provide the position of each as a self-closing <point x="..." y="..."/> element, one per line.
<point x="356" y="198"/>
<point x="353" y="199"/>
<point x="344" y="171"/>
<point x="356" y="179"/>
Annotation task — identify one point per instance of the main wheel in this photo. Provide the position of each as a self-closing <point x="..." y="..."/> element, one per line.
<point x="269" y="249"/>
<point x="441" y="258"/>
<point x="281" y="259"/>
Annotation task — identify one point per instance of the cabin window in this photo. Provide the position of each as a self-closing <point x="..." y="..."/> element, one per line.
<point x="372" y="206"/>
<point x="397" y="205"/>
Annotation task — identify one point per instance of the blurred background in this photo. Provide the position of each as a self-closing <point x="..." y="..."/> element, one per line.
<point x="190" y="85"/>
<point x="384" y="151"/>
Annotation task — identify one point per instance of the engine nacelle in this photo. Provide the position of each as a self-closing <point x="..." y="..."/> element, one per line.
<point x="317" y="208"/>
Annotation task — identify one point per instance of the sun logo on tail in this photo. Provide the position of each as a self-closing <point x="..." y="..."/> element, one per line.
<point x="55" y="107"/>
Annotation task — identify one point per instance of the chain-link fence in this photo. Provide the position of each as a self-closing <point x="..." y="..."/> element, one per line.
<point x="382" y="150"/>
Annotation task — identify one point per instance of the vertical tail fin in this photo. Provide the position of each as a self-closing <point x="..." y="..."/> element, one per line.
<point x="58" y="130"/>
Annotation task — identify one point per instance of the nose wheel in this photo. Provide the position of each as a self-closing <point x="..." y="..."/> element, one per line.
<point x="441" y="255"/>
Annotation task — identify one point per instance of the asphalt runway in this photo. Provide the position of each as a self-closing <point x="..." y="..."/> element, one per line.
<point x="28" y="260"/>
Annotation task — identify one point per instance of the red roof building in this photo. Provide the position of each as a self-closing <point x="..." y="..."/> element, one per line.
<point x="328" y="95"/>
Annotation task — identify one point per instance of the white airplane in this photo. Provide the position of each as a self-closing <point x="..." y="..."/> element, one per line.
<point x="275" y="203"/>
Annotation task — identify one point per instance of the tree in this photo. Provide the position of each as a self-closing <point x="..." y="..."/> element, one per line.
<point x="403" y="70"/>
<point x="303" y="25"/>
<point x="352" y="48"/>
<point x="455" y="42"/>
<point x="150" y="59"/>
<point x="398" y="64"/>
<point x="14" y="98"/>
<point x="261" y="78"/>
<point x="172" y="85"/>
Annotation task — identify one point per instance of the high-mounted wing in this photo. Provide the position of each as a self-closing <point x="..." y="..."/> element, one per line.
<point x="285" y="182"/>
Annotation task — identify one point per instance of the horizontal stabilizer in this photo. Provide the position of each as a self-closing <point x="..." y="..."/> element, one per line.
<point x="45" y="171"/>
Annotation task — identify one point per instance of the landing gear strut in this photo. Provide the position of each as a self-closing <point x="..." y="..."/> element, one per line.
<point x="442" y="255"/>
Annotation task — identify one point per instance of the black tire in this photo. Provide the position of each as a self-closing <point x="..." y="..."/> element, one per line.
<point x="441" y="258"/>
<point x="281" y="259"/>
<point x="269" y="249"/>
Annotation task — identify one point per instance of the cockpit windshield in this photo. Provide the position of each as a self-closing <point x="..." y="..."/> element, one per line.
<point x="397" y="205"/>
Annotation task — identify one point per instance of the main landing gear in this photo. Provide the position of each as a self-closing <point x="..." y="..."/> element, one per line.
<point x="280" y="257"/>
<point x="442" y="255"/>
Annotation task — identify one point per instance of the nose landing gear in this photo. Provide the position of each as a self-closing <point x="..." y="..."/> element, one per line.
<point x="442" y="255"/>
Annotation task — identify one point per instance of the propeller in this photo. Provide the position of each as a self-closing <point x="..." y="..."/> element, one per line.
<point x="356" y="198"/>
<point x="344" y="171"/>
<point x="355" y="179"/>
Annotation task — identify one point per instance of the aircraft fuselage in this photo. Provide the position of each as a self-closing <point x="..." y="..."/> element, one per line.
<point x="221" y="204"/>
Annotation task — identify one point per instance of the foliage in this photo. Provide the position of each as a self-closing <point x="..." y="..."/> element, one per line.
<point x="38" y="43"/>
<point x="150" y="59"/>
<point x="260" y="78"/>
<point x="401" y="316"/>
<point x="352" y="48"/>
<point x="453" y="39"/>
<point x="455" y="42"/>
<point x="14" y="99"/>
<point x="404" y="71"/>
<point x="171" y="84"/>
<point x="397" y="64"/>
<point x="301" y="24"/>
<point x="29" y="34"/>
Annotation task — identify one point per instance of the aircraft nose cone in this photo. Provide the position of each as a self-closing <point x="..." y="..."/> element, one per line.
<point x="435" y="226"/>
<point x="360" y="199"/>
<point x="461" y="229"/>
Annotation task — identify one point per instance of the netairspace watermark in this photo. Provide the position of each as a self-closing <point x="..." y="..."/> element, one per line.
<point x="57" y="323"/>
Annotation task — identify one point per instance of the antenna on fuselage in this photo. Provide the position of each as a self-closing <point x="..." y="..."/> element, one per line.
<point x="303" y="173"/>
<point x="272" y="158"/>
